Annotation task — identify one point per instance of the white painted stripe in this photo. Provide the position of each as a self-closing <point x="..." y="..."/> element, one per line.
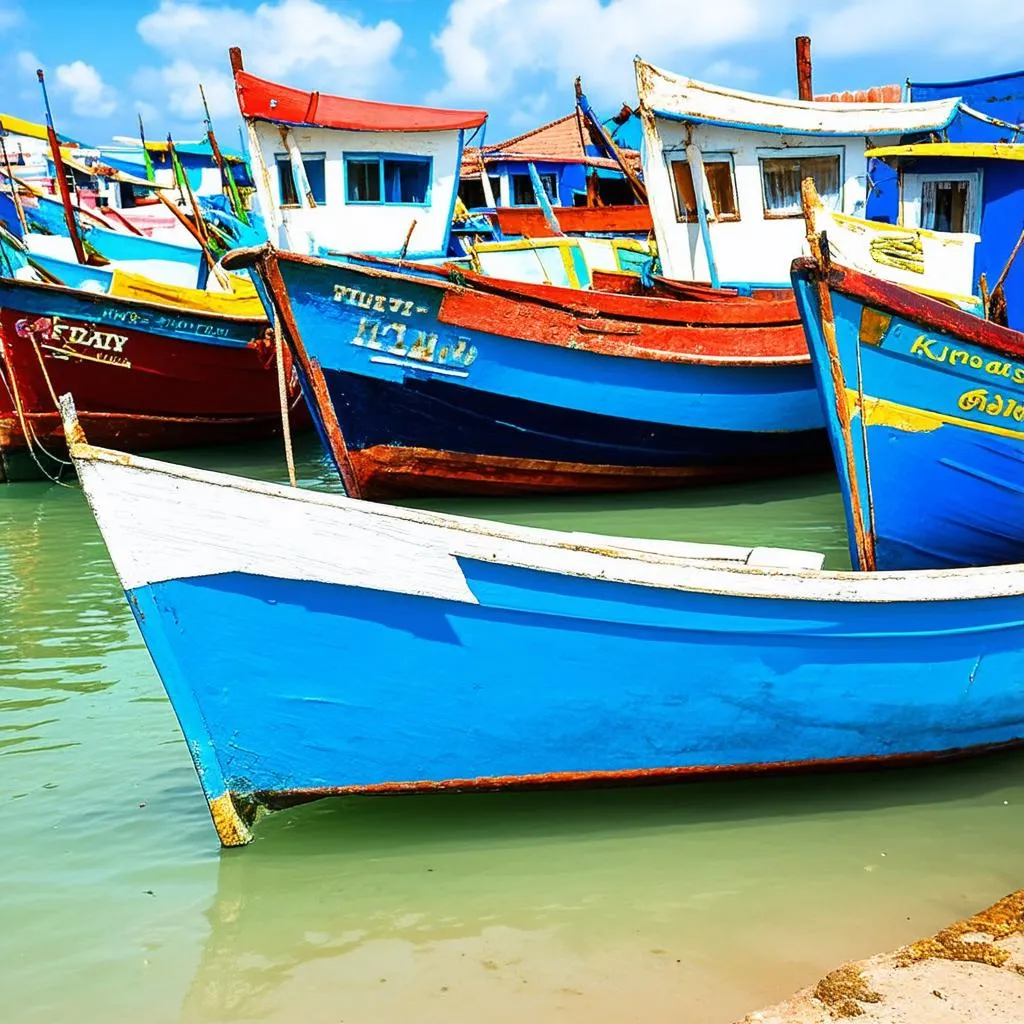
<point x="677" y="96"/>
<point x="162" y="521"/>
<point x="416" y="364"/>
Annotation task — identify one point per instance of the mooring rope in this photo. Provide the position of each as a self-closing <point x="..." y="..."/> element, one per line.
<point x="31" y="440"/>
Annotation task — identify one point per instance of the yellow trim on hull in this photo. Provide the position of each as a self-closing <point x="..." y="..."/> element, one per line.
<point x="242" y="301"/>
<point x="962" y="150"/>
<point x="880" y="412"/>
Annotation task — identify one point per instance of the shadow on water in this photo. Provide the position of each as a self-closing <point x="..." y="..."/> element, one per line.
<point x="373" y="824"/>
<point x="476" y="891"/>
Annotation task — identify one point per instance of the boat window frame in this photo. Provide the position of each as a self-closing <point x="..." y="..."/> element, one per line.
<point x="912" y="197"/>
<point x="717" y="156"/>
<point x="381" y="157"/>
<point x="285" y="159"/>
<point x="800" y="153"/>
<point x="554" y="200"/>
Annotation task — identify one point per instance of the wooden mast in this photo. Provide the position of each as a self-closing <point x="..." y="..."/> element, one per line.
<point x="61" y="174"/>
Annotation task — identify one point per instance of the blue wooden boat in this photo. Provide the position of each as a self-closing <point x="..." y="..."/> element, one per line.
<point x="425" y="384"/>
<point x="925" y="412"/>
<point x="402" y="650"/>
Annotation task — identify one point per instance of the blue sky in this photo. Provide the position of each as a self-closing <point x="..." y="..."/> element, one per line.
<point x="106" y="61"/>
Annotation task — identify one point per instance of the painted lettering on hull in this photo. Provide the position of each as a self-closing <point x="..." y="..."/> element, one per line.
<point x="937" y="351"/>
<point x="992" y="404"/>
<point x="405" y="342"/>
<point x="63" y="339"/>
<point x="375" y="303"/>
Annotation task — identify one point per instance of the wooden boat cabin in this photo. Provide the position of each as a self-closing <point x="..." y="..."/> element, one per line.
<point x="746" y="154"/>
<point x="337" y="175"/>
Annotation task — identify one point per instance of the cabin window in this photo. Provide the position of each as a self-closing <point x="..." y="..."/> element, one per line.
<point x="471" y="191"/>
<point x="781" y="177"/>
<point x="950" y="204"/>
<point x="522" y="189"/>
<point x="396" y="180"/>
<point x="721" y="184"/>
<point x="313" y="164"/>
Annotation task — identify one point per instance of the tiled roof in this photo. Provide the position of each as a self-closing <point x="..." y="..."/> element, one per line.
<point x="557" y="141"/>
<point x="874" y="94"/>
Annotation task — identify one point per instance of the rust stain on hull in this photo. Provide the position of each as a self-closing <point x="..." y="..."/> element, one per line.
<point x="632" y="776"/>
<point x="391" y="472"/>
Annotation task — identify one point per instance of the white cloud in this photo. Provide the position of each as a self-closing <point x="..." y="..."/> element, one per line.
<point x="729" y="73"/>
<point x="991" y="28"/>
<point x="26" y="62"/>
<point x="9" y="17"/>
<point x="530" y="110"/>
<point x="498" y="48"/>
<point x="300" y="42"/>
<point x="90" y="95"/>
<point x="487" y="46"/>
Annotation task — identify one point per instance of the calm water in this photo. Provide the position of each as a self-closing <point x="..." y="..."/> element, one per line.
<point x="689" y="903"/>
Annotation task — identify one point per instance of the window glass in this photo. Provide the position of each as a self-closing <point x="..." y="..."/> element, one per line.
<point x="718" y="171"/>
<point x="313" y="164"/>
<point x="363" y="180"/>
<point x="522" y="189"/>
<point x="944" y="205"/>
<point x="781" y="177"/>
<point x="471" y="191"/>
<point x="406" y="181"/>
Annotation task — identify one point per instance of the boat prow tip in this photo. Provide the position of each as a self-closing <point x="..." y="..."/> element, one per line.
<point x="73" y="432"/>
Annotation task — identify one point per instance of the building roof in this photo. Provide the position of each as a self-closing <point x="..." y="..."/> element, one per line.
<point x="280" y="104"/>
<point x="873" y="94"/>
<point x="677" y="98"/>
<point x="562" y="141"/>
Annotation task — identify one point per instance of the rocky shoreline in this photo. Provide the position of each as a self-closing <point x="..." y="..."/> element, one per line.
<point x="971" y="972"/>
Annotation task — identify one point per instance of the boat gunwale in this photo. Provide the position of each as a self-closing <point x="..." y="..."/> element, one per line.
<point x="252" y="256"/>
<point x="922" y="310"/>
<point x="925" y="585"/>
<point x="97" y="297"/>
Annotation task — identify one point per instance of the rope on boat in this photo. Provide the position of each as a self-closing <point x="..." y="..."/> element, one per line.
<point x="31" y="440"/>
<point x="282" y="392"/>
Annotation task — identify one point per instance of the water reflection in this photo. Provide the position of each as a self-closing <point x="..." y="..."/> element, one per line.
<point x="693" y="901"/>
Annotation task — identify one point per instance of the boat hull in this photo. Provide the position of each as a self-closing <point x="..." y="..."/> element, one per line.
<point x="406" y="651"/>
<point x="417" y="377"/>
<point x="926" y="420"/>
<point x="144" y="376"/>
<point x="426" y="437"/>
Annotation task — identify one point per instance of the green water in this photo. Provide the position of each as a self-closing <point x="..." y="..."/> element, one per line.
<point x="687" y="903"/>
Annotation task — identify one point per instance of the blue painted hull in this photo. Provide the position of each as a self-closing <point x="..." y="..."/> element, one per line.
<point x="556" y="675"/>
<point x="937" y="444"/>
<point x="311" y="644"/>
<point x="441" y="388"/>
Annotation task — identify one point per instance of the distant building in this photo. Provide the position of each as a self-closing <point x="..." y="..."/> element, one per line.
<point x="564" y="158"/>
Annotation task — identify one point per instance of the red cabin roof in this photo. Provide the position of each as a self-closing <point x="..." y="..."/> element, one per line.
<point x="268" y="101"/>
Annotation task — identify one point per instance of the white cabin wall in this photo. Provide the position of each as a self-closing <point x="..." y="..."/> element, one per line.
<point x="372" y="227"/>
<point x="753" y="248"/>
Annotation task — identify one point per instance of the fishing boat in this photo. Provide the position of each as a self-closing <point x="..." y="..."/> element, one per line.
<point x="925" y="410"/>
<point x="744" y="155"/>
<point x="153" y="368"/>
<point x="425" y="384"/>
<point x="432" y="379"/>
<point x="408" y="651"/>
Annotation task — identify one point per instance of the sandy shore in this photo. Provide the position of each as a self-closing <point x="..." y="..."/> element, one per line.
<point x="969" y="973"/>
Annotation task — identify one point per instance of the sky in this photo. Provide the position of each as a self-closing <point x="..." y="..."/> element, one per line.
<point x="110" y="60"/>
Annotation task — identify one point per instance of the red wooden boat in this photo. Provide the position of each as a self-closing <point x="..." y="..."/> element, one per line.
<point x="144" y="375"/>
<point x="529" y="221"/>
